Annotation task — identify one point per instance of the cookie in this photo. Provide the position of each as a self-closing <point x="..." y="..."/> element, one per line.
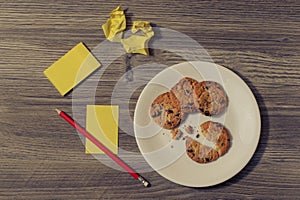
<point x="166" y="111"/>
<point x="210" y="98"/>
<point x="183" y="90"/>
<point x="200" y="153"/>
<point x="218" y="134"/>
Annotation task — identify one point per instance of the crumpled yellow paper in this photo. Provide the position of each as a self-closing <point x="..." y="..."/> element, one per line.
<point x="138" y="43"/>
<point x="135" y="44"/>
<point x="115" y="25"/>
<point x="144" y="26"/>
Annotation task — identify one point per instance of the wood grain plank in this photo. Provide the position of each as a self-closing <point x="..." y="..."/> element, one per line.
<point x="43" y="158"/>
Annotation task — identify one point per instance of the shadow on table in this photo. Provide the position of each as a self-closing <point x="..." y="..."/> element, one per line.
<point x="262" y="141"/>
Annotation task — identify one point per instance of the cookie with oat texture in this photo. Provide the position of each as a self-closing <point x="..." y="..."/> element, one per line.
<point x="166" y="110"/>
<point x="210" y="98"/>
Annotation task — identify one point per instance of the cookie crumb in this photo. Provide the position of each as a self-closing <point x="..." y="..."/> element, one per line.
<point x="189" y="129"/>
<point x="176" y="134"/>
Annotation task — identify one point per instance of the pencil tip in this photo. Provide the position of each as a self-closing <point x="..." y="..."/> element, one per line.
<point x="58" y="111"/>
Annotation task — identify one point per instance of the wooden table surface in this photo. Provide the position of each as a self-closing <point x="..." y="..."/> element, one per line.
<point x="41" y="157"/>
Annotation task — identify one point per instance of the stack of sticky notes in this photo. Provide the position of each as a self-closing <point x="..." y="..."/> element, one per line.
<point x="102" y="123"/>
<point x="72" y="68"/>
<point x="101" y="120"/>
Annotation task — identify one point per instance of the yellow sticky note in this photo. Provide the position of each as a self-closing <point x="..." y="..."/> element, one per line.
<point x="102" y="123"/>
<point x="115" y="25"/>
<point x="138" y="43"/>
<point x="72" y="68"/>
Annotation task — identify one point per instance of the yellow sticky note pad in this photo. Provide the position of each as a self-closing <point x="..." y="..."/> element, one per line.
<point x="102" y="123"/>
<point x="72" y="68"/>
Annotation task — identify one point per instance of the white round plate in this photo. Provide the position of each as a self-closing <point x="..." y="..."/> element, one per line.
<point x="168" y="157"/>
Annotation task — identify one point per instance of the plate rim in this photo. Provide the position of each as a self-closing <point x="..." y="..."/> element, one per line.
<point x="250" y="92"/>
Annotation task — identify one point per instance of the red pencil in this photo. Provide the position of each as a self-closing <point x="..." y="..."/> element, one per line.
<point x="102" y="147"/>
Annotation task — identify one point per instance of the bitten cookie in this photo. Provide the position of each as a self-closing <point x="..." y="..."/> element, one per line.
<point x="218" y="134"/>
<point x="166" y="111"/>
<point x="199" y="152"/>
<point x="210" y="98"/>
<point x="183" y="90"/>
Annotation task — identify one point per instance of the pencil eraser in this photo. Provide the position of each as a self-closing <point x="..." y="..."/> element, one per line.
<point x="72" y="68"/>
